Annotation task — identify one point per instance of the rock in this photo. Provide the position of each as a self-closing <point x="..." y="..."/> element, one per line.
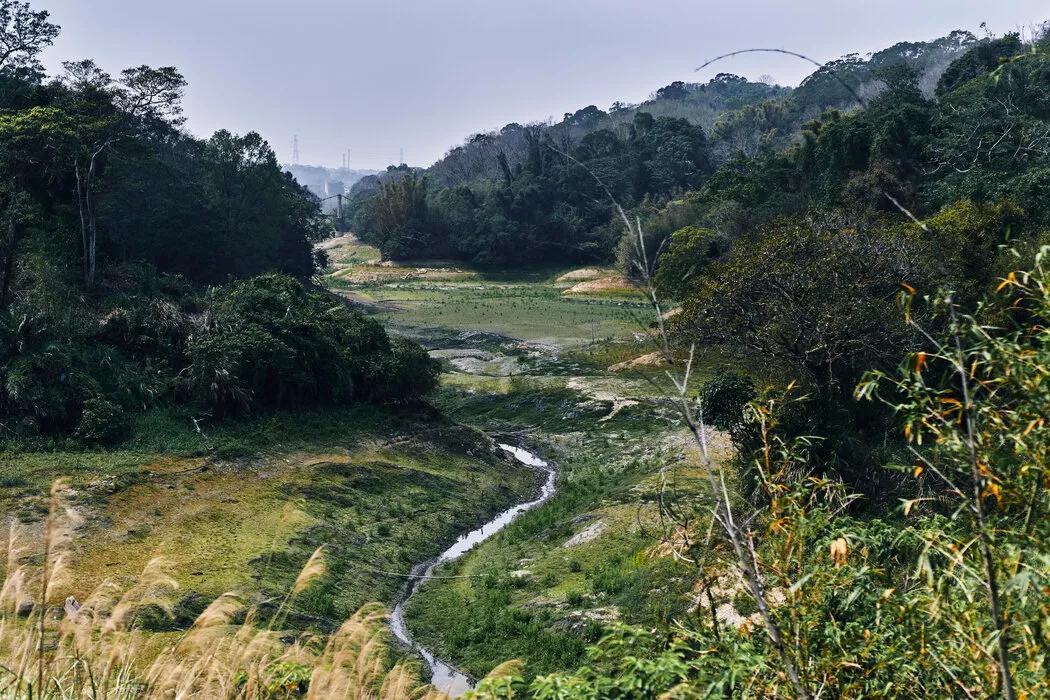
<point x="24" y="608"/>
<point x="71" y="607"/>
<point x="586" y="535"/>
<point x="521" y="573"/>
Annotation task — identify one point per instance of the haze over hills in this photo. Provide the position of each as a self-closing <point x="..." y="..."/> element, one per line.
<point x="326" y="182"/>
<point x="526" y="181"/>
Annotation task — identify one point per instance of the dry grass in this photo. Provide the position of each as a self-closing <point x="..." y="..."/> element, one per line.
<point x="96" y="650"/>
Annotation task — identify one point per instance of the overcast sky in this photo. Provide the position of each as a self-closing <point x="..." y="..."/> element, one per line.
<point x="376" y="76"/>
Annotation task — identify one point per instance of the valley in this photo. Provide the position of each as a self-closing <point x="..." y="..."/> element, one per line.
<point x="737" y="390"/>
<point x="527" y="360"/>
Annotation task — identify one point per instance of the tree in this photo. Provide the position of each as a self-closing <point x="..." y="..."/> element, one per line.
<point x="144" y="98"/>
<point x="688" y="253"/>
<point x="260" y="218"/>
<point x="980" y="60"/>
<point x="817" y="299"/>
<point x="675" y="91"/>
<point x="973" y="402"/>
<point x="23" y="34"/>
<point x="33" y="144"/>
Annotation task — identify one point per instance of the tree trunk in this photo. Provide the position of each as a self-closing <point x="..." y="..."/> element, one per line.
<point x="83" y="218"/>
<point x="89" y="270"/>
<point x="10" y="245"/>
<point x="86" y="207"/>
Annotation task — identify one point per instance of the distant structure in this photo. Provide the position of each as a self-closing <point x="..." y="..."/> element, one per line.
<point x="295" y="150"/>
<point x="334" y="187"/>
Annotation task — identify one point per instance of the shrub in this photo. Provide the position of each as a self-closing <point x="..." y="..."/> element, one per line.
<point x="267" y="341"/>
<point x="102" y="422"/>
<point x="723" y="399"/>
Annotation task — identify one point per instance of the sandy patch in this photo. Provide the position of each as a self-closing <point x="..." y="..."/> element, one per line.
<point x="618" y="405"/>
<point x="604" y="284"/>
<point x="582" y="275"/>
<point x="653" y="359"/>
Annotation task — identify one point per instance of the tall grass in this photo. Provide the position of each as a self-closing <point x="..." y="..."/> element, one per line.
<point x="96" y="650"/>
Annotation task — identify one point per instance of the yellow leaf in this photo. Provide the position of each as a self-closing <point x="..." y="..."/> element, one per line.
<point x="918" y="470"/>
<point x="908" y="288"/>
<point x="920" y="360"/>
<point x="993" y="489"/>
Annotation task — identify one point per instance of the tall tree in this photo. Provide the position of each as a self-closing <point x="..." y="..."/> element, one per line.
<point x="143" y="101"/>
<point x="23" y="34"/>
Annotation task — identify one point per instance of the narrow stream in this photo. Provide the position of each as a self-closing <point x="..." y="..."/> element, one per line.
<point x="444" y="676"/>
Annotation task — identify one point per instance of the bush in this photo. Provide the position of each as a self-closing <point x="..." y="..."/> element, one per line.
<point x="723" y="399"/>
<point x="269" y="342"/>
<point x="102" y="422"/>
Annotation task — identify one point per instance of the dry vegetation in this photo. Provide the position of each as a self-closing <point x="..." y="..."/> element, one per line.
<point x="50" y="648"/>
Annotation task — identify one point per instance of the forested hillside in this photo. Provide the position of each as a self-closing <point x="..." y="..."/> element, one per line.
<point x="529" y="194"/>
<point x="115" y="224"/>
<point x="880" y="528"/>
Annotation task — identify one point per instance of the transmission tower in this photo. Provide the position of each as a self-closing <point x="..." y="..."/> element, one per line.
<point x="295" y="150"/>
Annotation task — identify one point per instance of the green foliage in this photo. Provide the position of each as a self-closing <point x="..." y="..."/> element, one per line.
<point x="102" y="422"/>
<point x="270" y="342"/>
<point x="819" y="299"/>
<point x="980" y="60"/>
<point x="724" y="398"/>
<point x="689" y="251"/>
<point x="548" y="207"/>
<point x="113" y="219"/>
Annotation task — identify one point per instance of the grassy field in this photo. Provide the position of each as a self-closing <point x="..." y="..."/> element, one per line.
<point x="543" y="588"/>
<point x="243" y="507"/>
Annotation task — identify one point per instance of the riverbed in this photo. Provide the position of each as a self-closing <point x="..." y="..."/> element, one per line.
<point x="444" y="676"/>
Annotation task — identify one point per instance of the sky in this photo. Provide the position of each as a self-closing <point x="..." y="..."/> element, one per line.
<point x="379" y="77"/>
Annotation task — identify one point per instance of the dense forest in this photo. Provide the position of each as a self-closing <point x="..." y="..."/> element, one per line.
<point x="141" y="266"/>
<point x="545" y="183"/>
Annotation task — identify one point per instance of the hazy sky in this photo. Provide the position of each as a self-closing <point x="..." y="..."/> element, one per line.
<point x="376" y="76"/>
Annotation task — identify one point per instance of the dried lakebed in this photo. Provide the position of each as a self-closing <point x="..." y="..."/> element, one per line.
<point x="444" y="676"/>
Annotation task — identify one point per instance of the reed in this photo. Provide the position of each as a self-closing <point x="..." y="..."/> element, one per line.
<point x="96" y="649"/>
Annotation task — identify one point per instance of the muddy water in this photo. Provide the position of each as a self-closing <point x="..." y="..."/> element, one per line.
<point x="444" y="676"/>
